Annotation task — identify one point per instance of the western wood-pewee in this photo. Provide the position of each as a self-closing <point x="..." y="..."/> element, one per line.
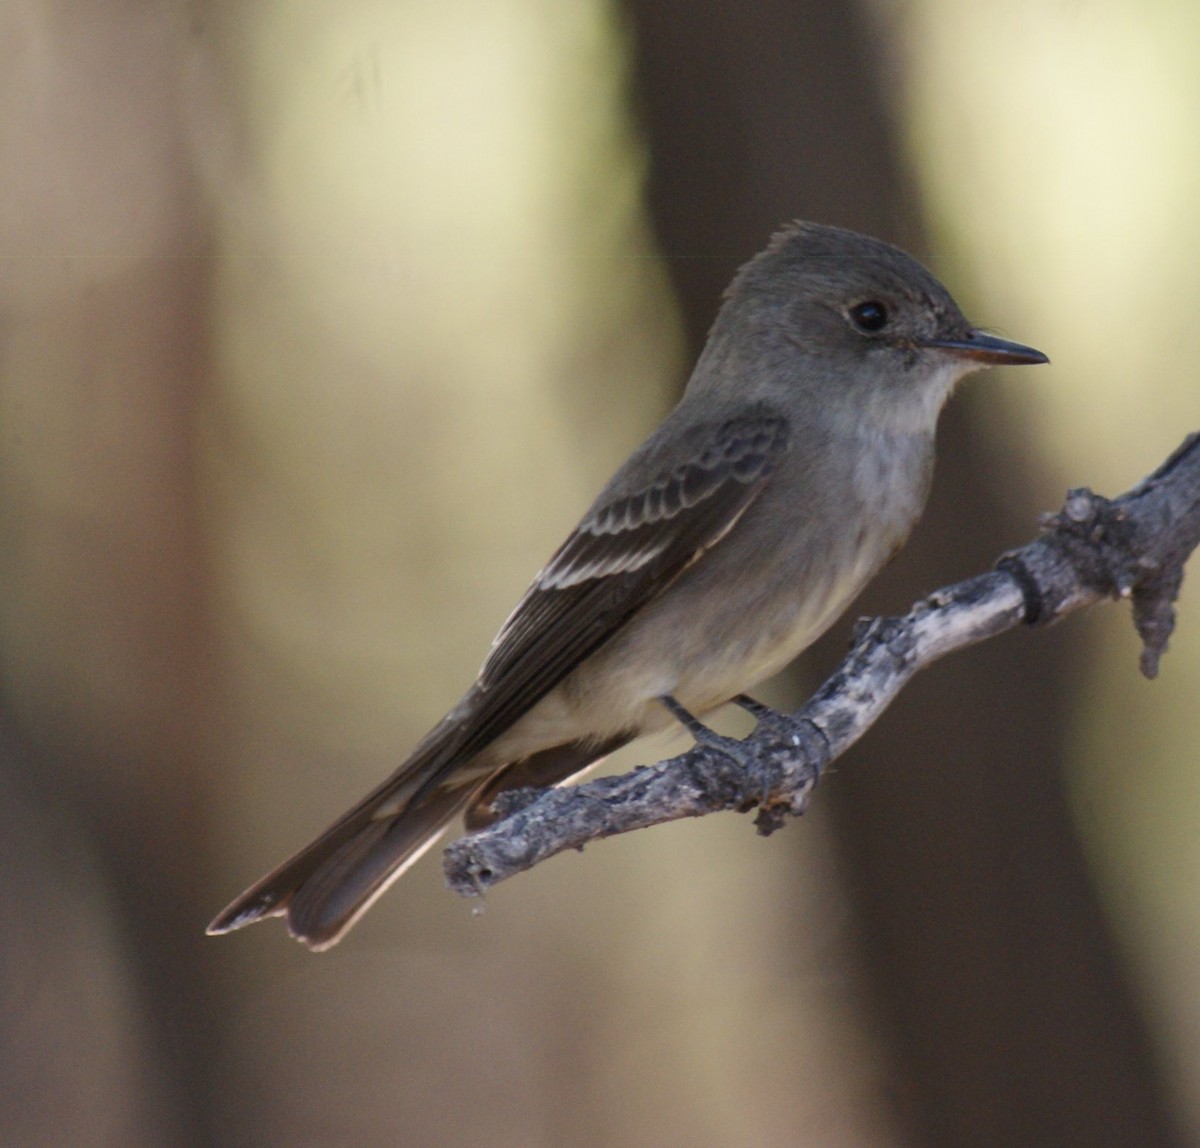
<point x="792" y="469"/>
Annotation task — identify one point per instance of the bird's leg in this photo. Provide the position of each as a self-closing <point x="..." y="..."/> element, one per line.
<point x="731" y="747"/>
<point x="755" y="708"/>
<point x="768" y="719"/>
<point x="772" y="747"/>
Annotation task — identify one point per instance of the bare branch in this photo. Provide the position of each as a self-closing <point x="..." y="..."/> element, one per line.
<point x="1131" y="547"/>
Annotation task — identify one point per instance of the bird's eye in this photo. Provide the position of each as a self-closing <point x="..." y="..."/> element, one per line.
<point x="870" y="316"/>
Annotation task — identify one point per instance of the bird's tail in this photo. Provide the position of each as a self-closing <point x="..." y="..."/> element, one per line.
<point x="329" y="884"/>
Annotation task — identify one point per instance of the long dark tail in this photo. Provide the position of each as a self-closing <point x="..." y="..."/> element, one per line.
<point x="330" y="883"/>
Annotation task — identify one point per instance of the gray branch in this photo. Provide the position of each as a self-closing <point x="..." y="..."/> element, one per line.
<point x="1134" y="547"/>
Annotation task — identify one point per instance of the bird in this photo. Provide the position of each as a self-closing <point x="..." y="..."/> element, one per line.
<point x="794" y="466"/>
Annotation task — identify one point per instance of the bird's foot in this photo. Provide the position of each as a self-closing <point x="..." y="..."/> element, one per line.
<point x="772" y="723"/>
<point x="737" y="786"/>
<point x="766" y="759"/>
<point x="733" y="748"/>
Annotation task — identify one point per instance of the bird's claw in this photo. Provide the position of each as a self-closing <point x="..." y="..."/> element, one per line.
<point x="776" y="738"/>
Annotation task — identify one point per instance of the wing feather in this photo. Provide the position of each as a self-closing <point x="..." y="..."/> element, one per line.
<point x="622" y="555"/>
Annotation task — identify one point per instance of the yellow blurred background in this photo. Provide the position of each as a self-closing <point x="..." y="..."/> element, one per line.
<point x="320" y="323"/>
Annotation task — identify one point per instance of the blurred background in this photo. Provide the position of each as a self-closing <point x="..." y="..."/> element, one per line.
<point x="321" y="323"/>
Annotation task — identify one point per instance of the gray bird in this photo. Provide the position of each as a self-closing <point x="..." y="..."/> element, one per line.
<point x="792" y="469"/>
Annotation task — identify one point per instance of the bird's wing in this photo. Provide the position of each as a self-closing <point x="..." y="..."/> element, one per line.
<point x="621" y="556"/>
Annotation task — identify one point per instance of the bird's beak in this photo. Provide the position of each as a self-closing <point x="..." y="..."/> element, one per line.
<point x="981" y="348"/>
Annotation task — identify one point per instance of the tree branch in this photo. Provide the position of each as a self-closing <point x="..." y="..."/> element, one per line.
<point x="1134" y="546"/>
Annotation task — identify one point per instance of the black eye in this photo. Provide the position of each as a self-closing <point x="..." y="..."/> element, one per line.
<point x="869" y="316"/>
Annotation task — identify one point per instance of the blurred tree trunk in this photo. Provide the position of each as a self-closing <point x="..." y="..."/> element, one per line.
<point x="997" y="987"/>
<point x="103" y="619"/>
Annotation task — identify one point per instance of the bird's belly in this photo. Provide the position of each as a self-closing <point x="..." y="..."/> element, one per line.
<point x="755" y="639"/>
<point x="699" y="649"/>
